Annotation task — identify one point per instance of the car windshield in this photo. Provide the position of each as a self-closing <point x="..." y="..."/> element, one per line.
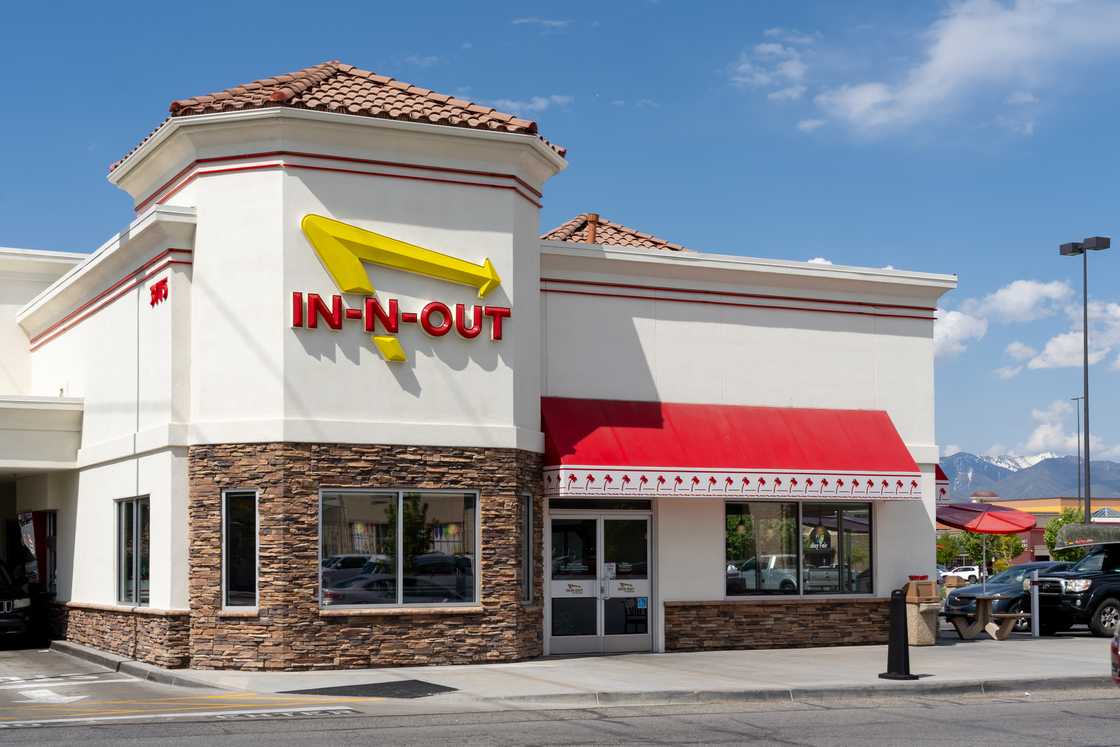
<point x="1106" y="560"/>
<point x="1011" y="576"/>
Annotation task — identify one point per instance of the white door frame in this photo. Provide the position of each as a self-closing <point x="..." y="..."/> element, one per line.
<point x="652" y="619"/>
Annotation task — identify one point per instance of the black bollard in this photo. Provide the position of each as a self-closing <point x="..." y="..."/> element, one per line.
<point x="898" y="644"/>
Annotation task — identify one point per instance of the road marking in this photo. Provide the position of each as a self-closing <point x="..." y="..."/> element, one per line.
<point x="43" y="695"/>
<point x="275" y="713"/>
<point x="88" y="683"/>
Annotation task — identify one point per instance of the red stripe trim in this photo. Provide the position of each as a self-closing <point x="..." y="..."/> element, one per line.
<point x="732" y="304"/>
<point x="85" y="311"/>
<point x="344" y="159"/>
<point x="736" y="294"/>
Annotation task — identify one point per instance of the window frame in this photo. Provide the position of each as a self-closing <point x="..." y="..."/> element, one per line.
<point x="801" y="593"/>
<point x="133" y="504"/>
<point x="399" y="560"/>
<point x="528" y="547"/>
<point x="256" y="549"/>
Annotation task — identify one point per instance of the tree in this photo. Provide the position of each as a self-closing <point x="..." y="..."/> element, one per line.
<point x="948" y="550"/>
<point x="1000" y="547"/>
<point x="1050" y="534"/>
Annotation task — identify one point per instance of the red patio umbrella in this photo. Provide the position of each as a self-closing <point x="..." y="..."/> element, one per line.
<point x="984" y="518"/>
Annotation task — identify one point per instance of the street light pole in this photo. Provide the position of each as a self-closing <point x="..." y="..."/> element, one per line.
<point x="1072" y="249"/>
<point x="1077" y="412"/>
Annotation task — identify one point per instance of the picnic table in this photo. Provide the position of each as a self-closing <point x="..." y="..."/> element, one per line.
<point x="996" y="624"/>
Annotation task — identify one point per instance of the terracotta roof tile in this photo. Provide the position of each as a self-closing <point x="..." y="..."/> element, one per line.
<point x="579" y="230"/>
<point x="335" y="86"/>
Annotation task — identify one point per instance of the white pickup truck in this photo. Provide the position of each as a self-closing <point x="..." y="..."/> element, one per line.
<point x="765" y="573"/>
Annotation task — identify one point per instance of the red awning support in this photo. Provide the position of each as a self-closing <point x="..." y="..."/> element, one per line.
<point x="646" y="449"/>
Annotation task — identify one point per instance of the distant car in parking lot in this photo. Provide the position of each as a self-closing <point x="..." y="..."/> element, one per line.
<point x="969" y="573"/>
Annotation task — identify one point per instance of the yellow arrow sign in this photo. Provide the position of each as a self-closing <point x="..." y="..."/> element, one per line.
<point x="343" y="247"/>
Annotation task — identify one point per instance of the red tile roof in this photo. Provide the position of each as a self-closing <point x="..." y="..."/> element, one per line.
<point x="580" y="229"/>
<point x="337" y="87"/>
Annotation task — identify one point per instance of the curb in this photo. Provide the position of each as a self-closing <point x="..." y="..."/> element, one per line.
<point x="845" y="693"/>
<point x="808" y="694"/>
<point x="124" y="665"/>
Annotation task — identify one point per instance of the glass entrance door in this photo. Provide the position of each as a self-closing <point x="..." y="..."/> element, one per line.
<point x="599" y="583"/>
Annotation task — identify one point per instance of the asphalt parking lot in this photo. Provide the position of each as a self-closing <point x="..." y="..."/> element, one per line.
<point x="39" y="687"/>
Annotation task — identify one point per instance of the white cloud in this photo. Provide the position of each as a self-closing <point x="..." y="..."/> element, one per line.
<point x="1020" y="351"/>
<point x="1049" y="431"/>
<point x="422" y="60"/>
<point x="1022" y="98"/>
<point x="791" y="36"/>
<point x="819" y="261"/>
<point x="787" y="94"/>
<point x="809" y="125"/>
<point x="532" y="105"/>
<point x="1008" y="372"/>
<point x="772" y="65"/>
<point x="949" y="450"/>
<point x="1022" y="301"/>
<point x="977" y="46"/>
<point x="547" y="23"/>
<point x="953" y="329"/>
<point x="1066" y="350"/>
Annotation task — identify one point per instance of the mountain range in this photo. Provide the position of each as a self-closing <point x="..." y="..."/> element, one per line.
<point x="1039" y="476"/>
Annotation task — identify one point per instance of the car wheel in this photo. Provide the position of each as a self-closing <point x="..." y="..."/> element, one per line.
<point x="972" y="579"/>
<point x="1104" y="619"/>
<point x="787" y="587"/>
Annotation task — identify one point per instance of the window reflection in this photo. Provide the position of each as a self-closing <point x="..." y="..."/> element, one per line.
<point x="761" y="548"/>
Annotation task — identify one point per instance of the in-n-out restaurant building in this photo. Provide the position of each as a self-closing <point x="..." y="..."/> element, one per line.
<point x="332" y="400"/>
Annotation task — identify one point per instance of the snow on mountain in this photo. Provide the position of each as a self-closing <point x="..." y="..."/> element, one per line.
<point x="1015" y="463"/>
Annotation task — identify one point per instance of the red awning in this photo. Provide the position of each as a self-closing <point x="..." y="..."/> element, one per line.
<point x="984" y="518"/>
<point x="612" y="447"/>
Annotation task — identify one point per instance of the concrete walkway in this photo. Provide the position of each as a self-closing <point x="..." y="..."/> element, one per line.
<point x="1016" y="665"/>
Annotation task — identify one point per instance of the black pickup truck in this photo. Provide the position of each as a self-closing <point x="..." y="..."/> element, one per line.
<point x="1088" y="592"/>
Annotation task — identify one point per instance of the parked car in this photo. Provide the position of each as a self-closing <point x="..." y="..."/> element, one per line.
<point x="15" y="607"/>
<point x="1086" y="593"/>
<point x="962" y="602"/>
<point x="941" y="571"/>
<point x="764" y="573"/>
<point x="338" y="568"/>
<point x="969" y="573"/>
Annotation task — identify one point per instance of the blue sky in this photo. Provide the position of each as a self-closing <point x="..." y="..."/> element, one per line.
<point x="962" y="137"/>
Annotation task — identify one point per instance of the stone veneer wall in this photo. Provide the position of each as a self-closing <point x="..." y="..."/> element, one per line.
<point x="159" y="637"/>
<point x="289" y="631"/>
<point x="793" y="623"/>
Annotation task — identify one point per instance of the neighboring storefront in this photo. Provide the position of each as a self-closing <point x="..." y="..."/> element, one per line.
<point x="331" y="400"/>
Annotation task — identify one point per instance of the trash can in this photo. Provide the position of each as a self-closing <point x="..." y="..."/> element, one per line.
<point x="922" y="608"/>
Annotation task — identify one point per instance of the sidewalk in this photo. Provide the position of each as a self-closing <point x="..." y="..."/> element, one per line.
<point x="983" y="666"/>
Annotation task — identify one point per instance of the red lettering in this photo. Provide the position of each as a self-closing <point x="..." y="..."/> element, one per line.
<point x="390" y="319"/>
<point x="297" y="309"/>
<point x="461" y="327"/>
<point x="496" y="314"/>
<point x="426" y="319"/>
<point x="316" y="308"/>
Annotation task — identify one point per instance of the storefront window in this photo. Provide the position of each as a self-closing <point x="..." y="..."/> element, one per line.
<point x="239" y="548"/>
<point x="364" y="564"/>
<point x="133" y="551"/>
<point x="526" y="548"/>
<point x="761" y="544"/>
<point x="836" y="548"/>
